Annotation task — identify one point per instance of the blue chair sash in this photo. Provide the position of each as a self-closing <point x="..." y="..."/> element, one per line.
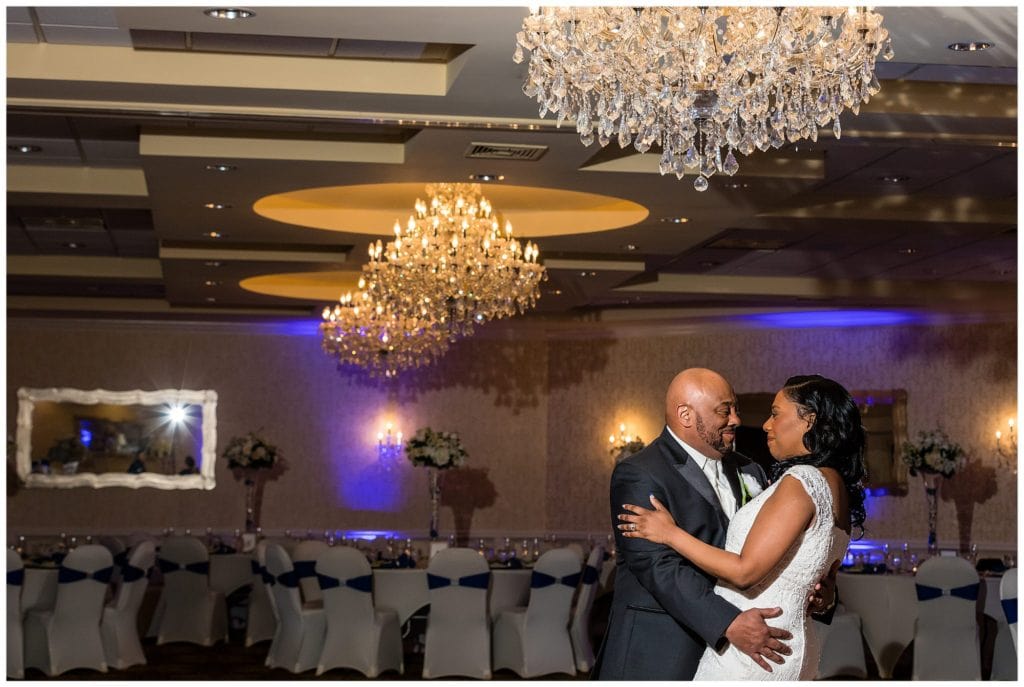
<point x="478" y="581"/>
<point x="130" y="573"/>
<point x="362" y="583"/>
<point x="1009" y="610"/>
<point x="254" y="565"/>
<point x="200" y="568"/>
<point x="288" y="579"/>
<point x="304" y="569"/>
<point x="16" y="578"/>
<point x="69" y="575"/>
<point x="968" y="592"/>
<point x="540" y="580"/>
<point x="591" y="575"/>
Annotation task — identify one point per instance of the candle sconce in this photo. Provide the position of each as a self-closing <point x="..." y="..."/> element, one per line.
<point x="389" y="447"/>
<point x="1006" y="445"/>
<point x="623" y="444"/>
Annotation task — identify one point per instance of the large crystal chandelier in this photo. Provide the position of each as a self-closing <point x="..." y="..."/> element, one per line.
<point x="451" y="267"/>
<point x="703" y="83"/>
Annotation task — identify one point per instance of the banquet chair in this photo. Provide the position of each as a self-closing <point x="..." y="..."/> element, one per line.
<point x="118" y="550"/>
<point x="261" y="622"/>
<point x="15" y="648"/>
<point x="535" y="641"/>
<point x="1004" y="653"/>
<point x="1008" y="598"/>
<point x="579" y="629"/>
<point x="304" y="557"/>
<point x="458" y="634"/>
<point x="119" y="625"/>
<point x="68" y="636"/>
<point x="188" y="610"/>
<point x="946" y="642"/>
<point x="359" y="635"/>
<point x="841" y="646"/>
<point x="299" y="636"/>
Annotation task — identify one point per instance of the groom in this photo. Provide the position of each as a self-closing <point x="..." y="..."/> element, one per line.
<point x="664" y="610"/>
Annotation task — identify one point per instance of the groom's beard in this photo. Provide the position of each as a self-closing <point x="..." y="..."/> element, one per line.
<point x="715" y="439"/>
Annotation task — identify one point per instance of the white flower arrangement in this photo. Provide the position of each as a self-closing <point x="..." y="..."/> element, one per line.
<point x="431" y="449"/>
<point x="250" y="452"/>
<point x="933" y="453"/>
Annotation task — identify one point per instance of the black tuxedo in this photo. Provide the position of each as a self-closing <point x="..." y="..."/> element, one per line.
<point x="664" y="611"/>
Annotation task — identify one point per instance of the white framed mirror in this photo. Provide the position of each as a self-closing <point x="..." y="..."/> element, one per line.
<point x="165" y="439"/>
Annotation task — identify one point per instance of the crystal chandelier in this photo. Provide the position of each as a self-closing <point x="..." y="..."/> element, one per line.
<point x="453" y="266"/>
<point x="703" y="83"/>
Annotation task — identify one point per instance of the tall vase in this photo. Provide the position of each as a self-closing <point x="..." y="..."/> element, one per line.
<point x="931" y="491"/>
<point x="251" y="514"/>
<point x="435" y="501"/>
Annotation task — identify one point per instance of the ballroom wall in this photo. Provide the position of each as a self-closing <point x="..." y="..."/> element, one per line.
<point x="534" y="414"/>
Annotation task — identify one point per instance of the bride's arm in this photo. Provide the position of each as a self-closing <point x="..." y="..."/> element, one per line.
<point x="780" y="522"/>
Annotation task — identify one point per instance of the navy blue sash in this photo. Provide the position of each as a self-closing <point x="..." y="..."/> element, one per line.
<point x="304" y="569"/>
<point x="288" y="579"/>
<point x="200" y="568"/>
<point x="130" y="573"/>
<point x="968" y="592"/>
<point x="591" y="575"/>
<point x="540" y="580"/>
<point x="16" y="578"/>
<point x="1009" y="609"/>
<point x="69" y="575"/>
<point x="362" y="583"/>
<point x="478" y="581"/>
<point x="255" y="566"/>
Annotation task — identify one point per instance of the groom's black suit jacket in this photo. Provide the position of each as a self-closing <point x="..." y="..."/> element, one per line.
<point x="664" y="611"/>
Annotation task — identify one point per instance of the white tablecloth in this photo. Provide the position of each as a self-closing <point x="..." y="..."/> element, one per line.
<point x="887" y="606"/>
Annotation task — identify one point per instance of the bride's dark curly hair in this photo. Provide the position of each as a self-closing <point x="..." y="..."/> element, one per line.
<point x="835" y="440"/>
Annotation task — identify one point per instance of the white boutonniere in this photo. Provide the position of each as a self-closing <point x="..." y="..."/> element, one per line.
<point x="750" y="487"/>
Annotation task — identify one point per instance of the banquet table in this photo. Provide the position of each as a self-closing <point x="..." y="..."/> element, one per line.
<point x="887" y="606"/>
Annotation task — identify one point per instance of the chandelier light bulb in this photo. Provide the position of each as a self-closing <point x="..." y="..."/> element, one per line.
<point x="701" y="83"/>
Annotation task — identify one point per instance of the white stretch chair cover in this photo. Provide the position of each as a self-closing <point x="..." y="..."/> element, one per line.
<point x="946" y="632"/>
<point x="119" y="626"/>
<point x="1008" y="596"/>
<point x="535" y="641"/>
<point x="304" y="557"/>
<point x="69" y="636"/>
<point x="15" y="646"/>
<point x="261" y="622"/>
<point x="299" y="637"/>
<point x="188" y="610"/>
<point x="841" y="646"/>
<point x="458" y="633"/>
<point x="359" y="636"/>
<point x="579" y="630"/>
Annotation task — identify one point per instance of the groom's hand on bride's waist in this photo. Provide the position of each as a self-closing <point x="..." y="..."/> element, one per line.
<point x="753" y="636"/>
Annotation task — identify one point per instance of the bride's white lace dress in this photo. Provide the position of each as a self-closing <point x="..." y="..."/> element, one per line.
<point x="787" y="586"/>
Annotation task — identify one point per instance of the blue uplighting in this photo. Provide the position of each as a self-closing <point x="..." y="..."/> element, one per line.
<point x="831" y="318"/>
<point x="372" y="487"/>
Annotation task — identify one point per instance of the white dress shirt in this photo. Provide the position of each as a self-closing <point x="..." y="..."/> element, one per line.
<point x="712" y="469"/>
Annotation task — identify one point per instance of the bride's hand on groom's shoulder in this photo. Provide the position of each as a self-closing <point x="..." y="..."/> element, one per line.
<point x="653" y="525"/>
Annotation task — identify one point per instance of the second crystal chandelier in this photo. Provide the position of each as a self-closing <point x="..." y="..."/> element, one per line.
<point x="703" y="83"/>
<point x="451" y="267"/>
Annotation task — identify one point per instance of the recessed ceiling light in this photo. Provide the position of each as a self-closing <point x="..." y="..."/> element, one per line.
<point x="630" y="246"/>
<point x="487" y="177"/>
<point x="709" y="263"/>
<point x="589" y="273"/>
<point x="213" y="263"/>
<point x="211" y="299"/>
<point x="675" y="220"/>
<point x="229" y="13"/>
<point x="894" y="179"/>
<point x="557" y="292"/>
<point x="211" y="282"/>
<point x="907" y="251"/>
<point x="216" y="206"/>
<point x="21" y="148"/>
<point x="972" y="46"/>
<point x="736" y="185"/>
<point x="72" y="244"/>
<point x="213" y="234"/>
<point x="220" y="168"/>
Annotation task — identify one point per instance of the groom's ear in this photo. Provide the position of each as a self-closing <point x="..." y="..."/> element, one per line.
<point x="685" y="414"/>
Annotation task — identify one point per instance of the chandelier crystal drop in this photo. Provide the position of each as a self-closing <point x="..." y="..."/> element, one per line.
<point x="453" y="265"/>
<point x="702" y="83"/>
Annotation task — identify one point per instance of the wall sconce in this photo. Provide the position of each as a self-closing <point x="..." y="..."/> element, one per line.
<point x="1006" y="445"/>
<point x="389" y="447"/>
<point x="624" y="444"/>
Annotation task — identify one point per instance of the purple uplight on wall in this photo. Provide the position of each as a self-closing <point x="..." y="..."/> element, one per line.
<point x="367" y="486"/>
<point x="812" y="319"/>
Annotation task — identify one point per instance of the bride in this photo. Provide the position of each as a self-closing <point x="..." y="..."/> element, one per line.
<point x="783" y="541"/>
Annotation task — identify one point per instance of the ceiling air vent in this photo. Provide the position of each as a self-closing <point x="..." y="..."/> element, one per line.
<point x="505" y="151"/>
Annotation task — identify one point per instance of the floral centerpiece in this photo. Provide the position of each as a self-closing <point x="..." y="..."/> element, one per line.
<point x="435" y="451"/>
<point x="934" y="452"/>
<point x="933" y="456"/>
<point x="251" y="455"/>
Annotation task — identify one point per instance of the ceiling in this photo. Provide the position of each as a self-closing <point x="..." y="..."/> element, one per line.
<point x="131" y="109"/>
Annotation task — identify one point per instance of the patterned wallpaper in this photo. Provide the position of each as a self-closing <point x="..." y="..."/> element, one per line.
<point x="534" y="416"/>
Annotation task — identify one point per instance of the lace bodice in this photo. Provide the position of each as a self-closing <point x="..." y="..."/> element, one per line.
<point x="787" y="586"/>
